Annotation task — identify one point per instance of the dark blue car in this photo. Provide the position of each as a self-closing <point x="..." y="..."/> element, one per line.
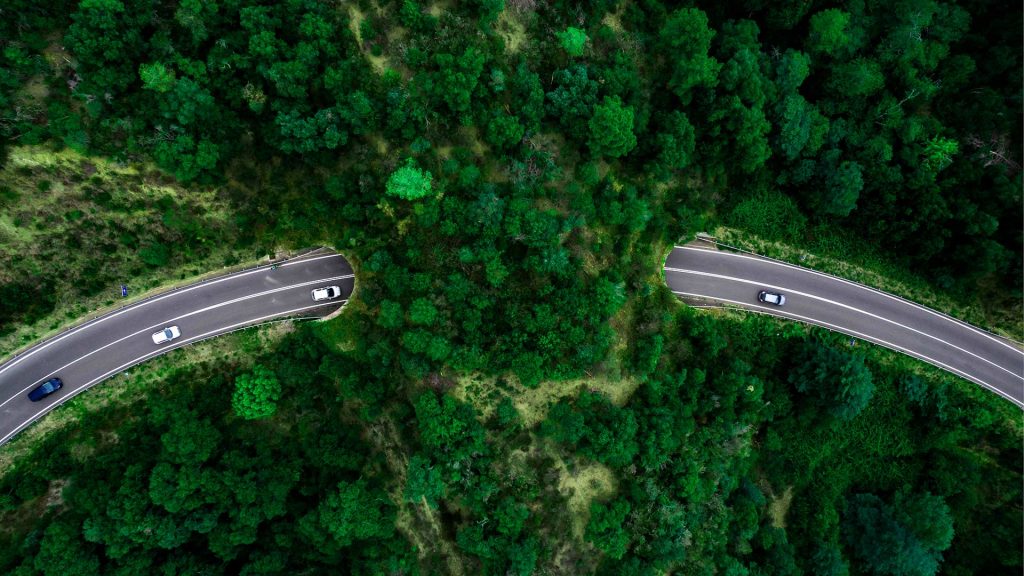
<point x="45" y="389"/>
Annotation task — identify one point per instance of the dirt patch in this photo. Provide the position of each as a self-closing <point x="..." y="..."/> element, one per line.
<point x="613" y="20"/>
<point x="512" y="31"/>
<point x="55" y="493"/>
<point x="437" y="8"/>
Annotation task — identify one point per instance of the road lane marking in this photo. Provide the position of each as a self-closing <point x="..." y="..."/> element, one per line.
<point x="168" y="321"/>
<point x="769" y="260"/>
<point x="145" y="357"/>
<point x="97" y="321"/>
<point x="847" y="306"/>
<point x="907" y="351"/>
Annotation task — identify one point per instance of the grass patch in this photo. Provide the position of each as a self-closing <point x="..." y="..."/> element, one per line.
<point x="581" y="486"/>
<point x="779" y="506"/>
<point x="485" y="392"/>
<point x="841" y="255"/>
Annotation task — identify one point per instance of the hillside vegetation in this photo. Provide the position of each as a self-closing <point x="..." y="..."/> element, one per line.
<point x="512" y="390"/>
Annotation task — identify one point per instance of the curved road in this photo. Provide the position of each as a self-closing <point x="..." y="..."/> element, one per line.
<point x="816" y="298"/>
<point x="96" y="350"/>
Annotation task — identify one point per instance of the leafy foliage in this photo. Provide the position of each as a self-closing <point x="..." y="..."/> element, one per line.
<point x="256" y="394"/>
<point x="906" y="537"/>
<point x="409" y="182"/>
<point x="572" y="41"/>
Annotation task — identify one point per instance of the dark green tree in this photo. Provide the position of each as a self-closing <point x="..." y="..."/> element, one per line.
<point x="835" y="380"/>
<point x="906" y="538"/>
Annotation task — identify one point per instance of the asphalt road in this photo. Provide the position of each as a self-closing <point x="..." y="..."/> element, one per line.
<point x="816" y="298"/>
<point x="99" y="349"/>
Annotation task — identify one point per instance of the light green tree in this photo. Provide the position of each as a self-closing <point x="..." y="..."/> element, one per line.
<point x="156" y="77"/>
<point x="573" y="40"/>
<point x="939" y="152"/>
<point x="410" y="182"/>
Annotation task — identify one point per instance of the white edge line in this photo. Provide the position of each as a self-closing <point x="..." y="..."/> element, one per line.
<point x="151" y="300"/>
<point x="848" y="307"/>
<point x="770" y="260"/>
<point x="166" y="322"/>
<point x="890" y="345"/>
<point x="141" y="359"/>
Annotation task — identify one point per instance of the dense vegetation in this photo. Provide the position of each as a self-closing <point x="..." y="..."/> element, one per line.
<point x="506" y="176"/>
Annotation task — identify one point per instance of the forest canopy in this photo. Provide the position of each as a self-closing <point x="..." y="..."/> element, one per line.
<point x="513" y="390"/>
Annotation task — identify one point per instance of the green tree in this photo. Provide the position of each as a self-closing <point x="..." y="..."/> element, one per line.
<point x="687" y="38"/>
<point x="185" y="158"/>
<point x="422" y="312"/>
<point x="256" y="393"/>
<point x="410" y="182"/>
<point x="860" y="77"/>
<point x="828" y="33"/>
<point x="838" y="381"/>
<point x="791" y="70"/>
<point x="842" y="189"/>
<point x="906" y="538"/>
<point x="572" y="41"/>
<point x="62" y="552"/>
<point x="611" y="129"/>
<point x="190" y="440"/>
<point x="353" y="512"/>
<point x="423" y="482"/>
<point x="802" y="128"/>
<point x="938" y="152"/>
<point x="156" y="77"/>
<point x="504" y="130"/>
<point x="573" y="99"/>
<point x="607" y="527"/>
<point x="457" y="77"/>
<point x="676" y="142"/>
<point x="828" y="561"/>
<point x="391" y="315"/>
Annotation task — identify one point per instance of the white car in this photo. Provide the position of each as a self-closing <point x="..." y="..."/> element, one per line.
<point x="326" y="293"/>
<point x="771" y="298"/>
<point x="166" y="335"/>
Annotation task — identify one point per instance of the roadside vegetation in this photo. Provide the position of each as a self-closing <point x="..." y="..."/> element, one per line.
<point x="512" y="391"/>
<point x="73" y="229"/>
<point x="990" y="306"/>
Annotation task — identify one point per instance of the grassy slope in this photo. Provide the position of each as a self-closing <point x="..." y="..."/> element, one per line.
<point x="82" y="226"/>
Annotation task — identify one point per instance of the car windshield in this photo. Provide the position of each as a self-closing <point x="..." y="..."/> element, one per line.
<point x="168" y="333"/>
